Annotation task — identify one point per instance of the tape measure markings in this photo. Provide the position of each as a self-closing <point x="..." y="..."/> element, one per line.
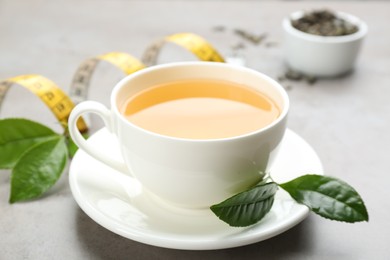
<point x="149" y="57"/>
<point x="82" y="78"/>
<point x="192" y="42"/>
<point x="197" y="45"/>
<point x="57" y="101"/>
<point x="127" y="63"/>
<point x="78" y="90"/>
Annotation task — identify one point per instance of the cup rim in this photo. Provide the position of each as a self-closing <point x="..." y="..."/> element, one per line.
<point x="361" y="32"/>
<point x="274" y="83"/>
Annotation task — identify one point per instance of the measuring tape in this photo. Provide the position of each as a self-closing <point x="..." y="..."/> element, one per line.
<point x="61" y="104"/>
<point x="54" y="98"/>
<point x="82" y="78"/>
<point x="189" y="41"/>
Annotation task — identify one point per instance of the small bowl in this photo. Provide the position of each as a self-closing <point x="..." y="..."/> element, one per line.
<point x="322" y="56"/>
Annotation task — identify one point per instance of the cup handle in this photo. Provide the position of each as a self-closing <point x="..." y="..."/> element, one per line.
<point x="105" y="114"/>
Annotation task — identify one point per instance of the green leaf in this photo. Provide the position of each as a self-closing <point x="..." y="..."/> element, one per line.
<point x="248" y="207"/>
<point x="328" y="197"/>
<point x="19" y="135"/>
<point x="38" y="169"/>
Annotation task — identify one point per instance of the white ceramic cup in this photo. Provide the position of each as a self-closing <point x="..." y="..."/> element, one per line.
<point x="187" y="173"/>
<point x="322" y="56"/>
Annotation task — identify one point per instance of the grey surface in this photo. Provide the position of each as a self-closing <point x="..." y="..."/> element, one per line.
<point x="346" y="120"/>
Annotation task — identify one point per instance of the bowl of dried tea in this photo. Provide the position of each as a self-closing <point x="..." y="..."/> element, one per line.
<point x="322" y="43"/>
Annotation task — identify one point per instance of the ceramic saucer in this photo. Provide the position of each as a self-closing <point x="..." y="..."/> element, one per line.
<point x="118" y="203"/>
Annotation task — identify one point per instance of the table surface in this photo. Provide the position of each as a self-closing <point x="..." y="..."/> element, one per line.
<point x="345" y="119"/>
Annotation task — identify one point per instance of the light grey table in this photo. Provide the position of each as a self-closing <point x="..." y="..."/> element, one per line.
<point x="346" y="120"/>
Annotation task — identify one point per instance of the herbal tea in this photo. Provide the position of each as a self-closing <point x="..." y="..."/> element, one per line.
<point x="200" y="109"/>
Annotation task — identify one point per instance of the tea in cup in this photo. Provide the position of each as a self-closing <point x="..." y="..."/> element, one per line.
<point x="192" y="133"/>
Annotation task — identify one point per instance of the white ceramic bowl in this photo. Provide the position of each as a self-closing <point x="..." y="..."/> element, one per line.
<point x="322" y="56"/>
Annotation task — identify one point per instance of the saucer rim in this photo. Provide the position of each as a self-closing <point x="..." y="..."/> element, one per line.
<point x="300" y="214"/>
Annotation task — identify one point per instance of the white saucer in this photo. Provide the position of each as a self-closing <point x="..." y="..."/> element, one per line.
<point x="118" y="203"/>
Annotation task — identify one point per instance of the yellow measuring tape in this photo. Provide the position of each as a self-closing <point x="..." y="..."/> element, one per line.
<point x="57" y="101"/>
<point x="61" y="104"/>
<point x="81" y="80"/>
<point x="191" y="42"/>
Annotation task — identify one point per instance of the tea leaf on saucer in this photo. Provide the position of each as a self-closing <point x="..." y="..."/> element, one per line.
<point x="19" y="135"/>
<point x="38" y="169"/>
<point x="328" y="197"/>
<point x="248" y="207"/>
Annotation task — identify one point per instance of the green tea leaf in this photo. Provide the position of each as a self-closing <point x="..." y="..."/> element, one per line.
<point x="72" y="147"/>
<point x="248" y="207"/>
<point x="19" y="135"/>
<point x="328" y="197"/>
<point x="38" y="169"/>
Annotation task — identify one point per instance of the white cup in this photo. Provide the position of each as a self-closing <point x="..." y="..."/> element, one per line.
<point x="322" y="56"/>
<point x="187" y="173"/>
